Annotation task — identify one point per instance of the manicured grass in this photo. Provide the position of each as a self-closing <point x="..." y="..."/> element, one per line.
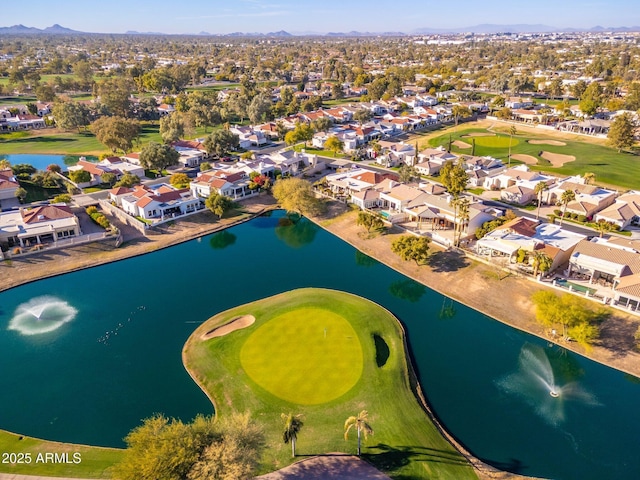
<point x="318" y="151"/>
<point x="22" y="100"/>
<point x="62" y="143"/>
<point x="406" y="444"/>
<point x="494" y="142"/>
<point x="610" y="167"/>
<point x="95" y="461"/>
<point x="324" y="364"/>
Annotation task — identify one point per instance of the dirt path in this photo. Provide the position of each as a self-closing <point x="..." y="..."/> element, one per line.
<point x="491" y="291"/>
<point x="334" y="465"/>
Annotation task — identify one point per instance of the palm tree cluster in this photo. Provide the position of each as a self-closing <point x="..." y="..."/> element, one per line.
<point x="293" y="424"/>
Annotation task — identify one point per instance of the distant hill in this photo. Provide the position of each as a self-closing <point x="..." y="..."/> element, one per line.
<point x="485" y="28"/>
<point x="488" y="28"/>
<point x="354" y="33"/>
<point x="52" y="30"/>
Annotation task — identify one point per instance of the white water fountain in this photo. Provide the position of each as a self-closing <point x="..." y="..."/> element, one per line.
<point x="41" y="315"/>
<point x="535" y="383"/>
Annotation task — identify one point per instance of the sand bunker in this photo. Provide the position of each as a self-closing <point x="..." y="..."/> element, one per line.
<point x="460" y="144"/>
<point x="525" y="158"/>
<point x="557" y="159"/>
<point x="547" y="142"/>
<point x="235" y="324"/>
<point x="479" y="134"/>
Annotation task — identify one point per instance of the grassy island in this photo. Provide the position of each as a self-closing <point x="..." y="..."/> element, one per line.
<point x="326" y="355"/>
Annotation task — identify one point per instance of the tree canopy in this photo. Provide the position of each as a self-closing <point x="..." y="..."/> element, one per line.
<point x="219" y="204"/>
<point x="201" y="450"/>
<point x="117" y="133"/>
<point x="413" y="248"/>
<point x="296" y="195"/>
<point x="221" y="141"/>
<point x="370" y="221"/>
<point x="453" y="176"/>
<point x="622" y="132"/>
<point x="572" y="313"/>
<point x="158" y="156"/>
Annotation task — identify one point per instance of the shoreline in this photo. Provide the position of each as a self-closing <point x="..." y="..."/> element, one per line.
<point x="453" y="275"/>
<point x="470" y="283"/>
<point x="52" y="263"/>
<point x="457" y="277"/>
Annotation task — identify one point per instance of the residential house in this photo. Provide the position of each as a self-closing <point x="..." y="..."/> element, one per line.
<point x="114" y="165"/>
<point x="8" y="184"/>
<point x="165" y="109"/>
<point x="230" y="184"/>
<point x="160" y="202"/>
<point x="590" y="199"/>
<point x="39" y="225"/>
<point x="353" y="184"/>
<point x="519" y="176"/>
<point x="196" y="144"/>
<point x="290" y="162"/>
<point x="395" y="153"/>
<point x="624" y="212"/>
<point x="531" y="236"/>
<point x="431" y="160"/>
<point x="249" y="137"/>
<point x="518" y="102"/>
<point x="610" y="263"/>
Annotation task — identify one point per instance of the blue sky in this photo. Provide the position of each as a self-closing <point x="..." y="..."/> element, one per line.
<point x="215" y="16"/>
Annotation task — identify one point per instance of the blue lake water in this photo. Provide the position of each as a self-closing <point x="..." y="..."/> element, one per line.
<point x="41" y="162"/>
<point x="96" y="376"/>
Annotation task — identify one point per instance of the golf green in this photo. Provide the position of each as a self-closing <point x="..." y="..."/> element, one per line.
<point x="307" y="356"/>
<point x="495" y="142"/>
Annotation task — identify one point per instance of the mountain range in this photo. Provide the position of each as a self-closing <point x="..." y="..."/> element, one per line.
<point x="478" y="29"/>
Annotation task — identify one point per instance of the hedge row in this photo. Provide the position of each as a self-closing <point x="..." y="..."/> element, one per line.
<point x="98" y="217"/>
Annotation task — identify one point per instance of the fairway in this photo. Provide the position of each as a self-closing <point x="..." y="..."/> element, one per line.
<point x="283" y="363"/>
<point x="323" y="363"/>
<point x="610" y="167"/>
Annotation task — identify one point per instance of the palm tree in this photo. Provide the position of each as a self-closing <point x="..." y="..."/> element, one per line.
<point x="539" y="189"/>
<point x="361" y="425"/>
<point x="463" y="215"/>
<point x="292" y="426"/>
<point x="589" y="178"/>
<point x="512" y="132"/>
<point x="567" y="196"/>
<point x="541" y="262"/>
<point x="603" y="226"/>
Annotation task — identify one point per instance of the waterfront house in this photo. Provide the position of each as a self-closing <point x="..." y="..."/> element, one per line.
<point x="160" y="202"/>
<point x="531" y="236"/>
<point x="38" y="225"/>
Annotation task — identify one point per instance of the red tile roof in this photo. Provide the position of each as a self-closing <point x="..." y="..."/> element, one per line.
<point x="46" y="213"/>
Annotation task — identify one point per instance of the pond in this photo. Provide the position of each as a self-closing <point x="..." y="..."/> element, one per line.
<point x="88" y="354"/>
<point x="41" y="162"/>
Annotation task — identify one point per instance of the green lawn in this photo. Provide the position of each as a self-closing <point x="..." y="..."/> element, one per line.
<point x="405" y="444"/>
<point x="611" y="168"/>
<point x="95" y="462"/>
<point x="22" y="100"/>
<point x="318" y="151"/>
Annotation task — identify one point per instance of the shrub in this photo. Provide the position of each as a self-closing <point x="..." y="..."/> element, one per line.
<point x="582" y="218"/>
<point x="557" y="212"/>
<point x="92" y="209"/>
